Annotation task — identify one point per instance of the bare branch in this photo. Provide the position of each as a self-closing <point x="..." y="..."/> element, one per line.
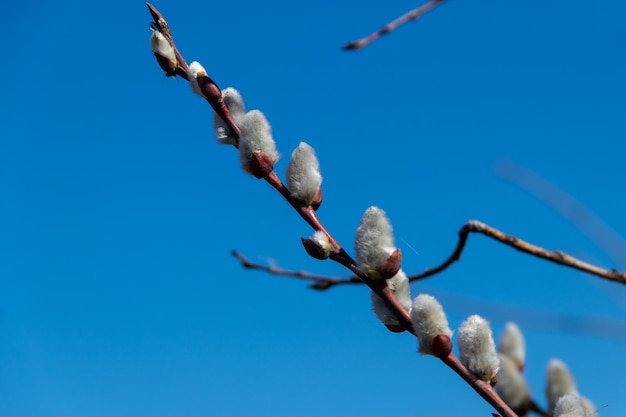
<point x="473" y="226"/>
<point x="412" y="15"/>
<point x="318" y="282"/>
<point x="561" y="258"/>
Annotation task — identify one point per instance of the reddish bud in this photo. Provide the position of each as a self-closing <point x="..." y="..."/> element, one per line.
<point x="395" y="328"/>
<point x="317" y="200"/>
<point x="315" y="249"/>
<point x="209" y="89"/>
<point x="391" y="266"/>
<point x="441" y="346"/>
<point x="260" y="165"/>
<point x="166" y="64"/>
<point x="494" y="380"/>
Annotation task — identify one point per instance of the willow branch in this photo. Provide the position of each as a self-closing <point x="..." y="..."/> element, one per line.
<point x="558" y="257"/>
<point x="338" y="254"/>
<point x="213" y="96"/>
<point x="412" y="15"/>
<point x="473" y="226"/>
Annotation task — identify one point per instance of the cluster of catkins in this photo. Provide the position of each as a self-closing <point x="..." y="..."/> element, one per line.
<point x="374" y="245"/>
<point x="561" y="391"/>
<point x="378" y="257"/>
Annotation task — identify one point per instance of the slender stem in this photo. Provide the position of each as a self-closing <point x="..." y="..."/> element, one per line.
<point x="484" y="389"/>
<point x="411" y="15"/>
<point x="474" y="226"/>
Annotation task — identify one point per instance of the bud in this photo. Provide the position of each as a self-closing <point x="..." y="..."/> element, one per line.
<point x="559" y="382"/>
<point x="317" y="200"/>
<point x="257" y="150"/>
<point x="303" y="174"/>
<point x="195" y="70"/>
<point x="318" y="245"/>
<point x="164" y="53"/>
<point x="237" y="109"/>
<point x="374" y="243"/>
<point x="391" y="266"/>
<point x="512" y="386"/>
<point x="429" y="321"/>
<point x="512" y="345"/>
<point x="399" y="286"/>
<point x="477" y="350"/>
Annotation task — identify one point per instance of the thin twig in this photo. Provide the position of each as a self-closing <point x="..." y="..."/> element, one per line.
<point x="412" y="15"/>
<point x="586" y="326"/>
<point x="318" y="282"/>
<point x="473" y="226"/>
<point x="561" y="258"/>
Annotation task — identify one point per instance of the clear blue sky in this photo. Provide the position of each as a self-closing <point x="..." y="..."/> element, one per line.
<point x="118" y="209"/>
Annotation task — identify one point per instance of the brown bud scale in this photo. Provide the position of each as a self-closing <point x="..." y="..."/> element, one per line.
<point x="441" y="346"/>
<point x="391" y="266"/>
<point x="260" y="165"/>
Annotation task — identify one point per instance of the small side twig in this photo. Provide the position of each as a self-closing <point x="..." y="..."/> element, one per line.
<point x="411" y="15"/>
<point x="558" y="257"/>
<point x="319" y="282"/>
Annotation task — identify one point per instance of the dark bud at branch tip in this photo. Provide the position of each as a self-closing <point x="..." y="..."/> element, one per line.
<point x="391" y="266"/>
<point x="166" y="65"/>
<point x="395" y="328"/>
<point x="315" y="250"/>
<point x="209" y="89"/>
<point x="442" y="346"/>
<point x="317" y="199"/>
<point x="260" y="165"/>
<point x="320" y="285"/>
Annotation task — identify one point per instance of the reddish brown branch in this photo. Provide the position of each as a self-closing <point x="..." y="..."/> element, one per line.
<point x="182" y="70"/>
<point x="484" y="389"/>
<point x="412" y="15"/>
<point x="473" y="226"/>
<point x="558" y="257"/>
<point x="338" y="254"/>
<point x="307" y="213"/>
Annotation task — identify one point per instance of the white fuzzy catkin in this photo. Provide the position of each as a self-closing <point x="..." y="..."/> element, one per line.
<point x="399" y="286"/>
<point x="374" y="240"/>
<point x="571" y="405"/>
<point x="512" y="386"/>
<point x="429" y="321"/>
<point x="160" y="45"/>
<point x="234" y="102"/>
<point x="559" y="382"/>
<point x="512" y="344"/>
<point x="590" y="409"/>
<point x="303" y="174"/>
<point x="256" y="136"/>
<point x="477" y="350"/>
<point x="196" y="69"/>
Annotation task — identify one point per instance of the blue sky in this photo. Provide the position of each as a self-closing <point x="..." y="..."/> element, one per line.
<point x="118" y="210"/>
